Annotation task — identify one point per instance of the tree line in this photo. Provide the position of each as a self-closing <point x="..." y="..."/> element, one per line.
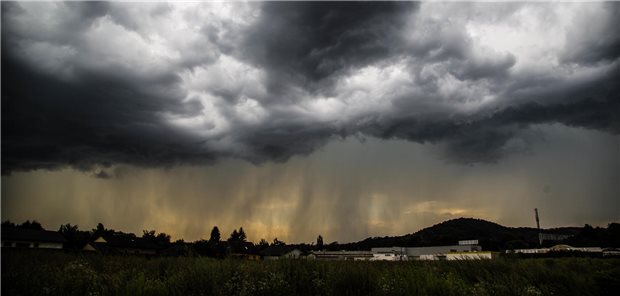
<point x="215" y="246"/>
<point x="491" y="236"/>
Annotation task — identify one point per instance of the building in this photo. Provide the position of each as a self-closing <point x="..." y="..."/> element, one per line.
<point x="529" y="251"/>
<point x="389" y="254"/>
<point x="553" y="237"/>
<point x="15" y="237"/>
<point x="559" y="249"/>
<point x="611" y="252"/>
<point x="421" y="253"/>
<point x="468" y="242"/>
<point x="281" y="252"/>
<point x="341" y="255"/>
<point x="122" y="245"/>
<point x="469" y="256"/>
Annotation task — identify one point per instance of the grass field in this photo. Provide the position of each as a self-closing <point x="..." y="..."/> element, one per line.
<point x="39" y="272"/>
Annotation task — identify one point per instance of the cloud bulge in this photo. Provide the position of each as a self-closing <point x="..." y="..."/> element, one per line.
<point x="91" y="85"/>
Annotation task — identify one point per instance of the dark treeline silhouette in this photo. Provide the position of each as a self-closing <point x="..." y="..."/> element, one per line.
<point x="491" y="236"/>
<point x="596" y="236"/>
<point x="28" y="224"/>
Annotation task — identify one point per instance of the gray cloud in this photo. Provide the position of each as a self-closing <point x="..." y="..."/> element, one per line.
<point x="306" y="43"/>
<point x="90" y="85"/>
<point x="593" y="40"/>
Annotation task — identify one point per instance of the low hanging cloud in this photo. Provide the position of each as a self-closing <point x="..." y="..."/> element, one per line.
<point x="91" y="85"/>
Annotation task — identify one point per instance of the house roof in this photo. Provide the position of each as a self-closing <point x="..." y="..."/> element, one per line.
<point x="277" y="250"/>
<point x="343" y="253"/>
<point x="126" y="242"/>
<point x="36" y="235"/>
<point x="418" y="251"/>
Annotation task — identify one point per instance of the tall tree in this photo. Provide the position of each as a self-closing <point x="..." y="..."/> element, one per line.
<point x="242" y="237"/>
<point x="319" y="241"/>
<point x="76" y="239"/>
<point x="99" y="230"/>
<point x="68" y="230"/>
<point x="234" y="236"/>
<point x="215" y="235"/>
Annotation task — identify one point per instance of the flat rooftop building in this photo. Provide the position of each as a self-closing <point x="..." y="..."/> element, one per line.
<point x="421" y="253"/>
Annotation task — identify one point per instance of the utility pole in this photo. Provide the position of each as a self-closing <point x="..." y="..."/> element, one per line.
<point x="538" y="226"/>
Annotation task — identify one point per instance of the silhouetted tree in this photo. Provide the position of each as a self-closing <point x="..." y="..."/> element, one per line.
<point x="32" y="225"/>
<point x="596" y="236"/>
<point x="277" y="242"/>
<point x="234" y="236"/>
<point x="148" y="234"/>
<point x="70" y="233"/>
<point x="152" y="236"/>
<point x="319" y="241"/>
<point x="163" y="238"/>
<point x="236" y="241"/>
<point x="67" y="229"/>
<point x="8" y="223"/>
<point x="263" y="244"/>
<point x="242" y="237"/>
<point x="613" y="230"/>
<point x="76" y="239"/>
<point x="215" y="235"/>
<point x="100" y="230"/>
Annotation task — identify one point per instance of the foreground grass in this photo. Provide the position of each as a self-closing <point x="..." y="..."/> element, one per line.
<point x="32" y="272"/>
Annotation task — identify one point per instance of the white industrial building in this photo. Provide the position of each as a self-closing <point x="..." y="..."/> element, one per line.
<point x="465" y="250"/>
<point x="558" y="248"/>
<point x="31" y="238"/>
<point x="469" y="255"/>
<point x="341" y="255"/>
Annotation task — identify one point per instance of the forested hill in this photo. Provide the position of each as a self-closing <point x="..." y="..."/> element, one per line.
<point x="491" y="236"/>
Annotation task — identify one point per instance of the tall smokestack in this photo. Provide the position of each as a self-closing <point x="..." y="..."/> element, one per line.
<point x="538" y="226"/>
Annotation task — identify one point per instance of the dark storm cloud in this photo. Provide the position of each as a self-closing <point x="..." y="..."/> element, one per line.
<point x="306" y="43"/>
<point x="103" y="175"/>
<point x="90" y="85"/>
<point x="484" y="137"/>
<point x="99" y="116"/>
<point x="100" y="119"/>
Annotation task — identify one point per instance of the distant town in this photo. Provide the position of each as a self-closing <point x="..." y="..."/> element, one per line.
<point x="457" y="239"/>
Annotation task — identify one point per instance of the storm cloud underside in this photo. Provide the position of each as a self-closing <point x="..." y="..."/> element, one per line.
<point x="92" y="85"/>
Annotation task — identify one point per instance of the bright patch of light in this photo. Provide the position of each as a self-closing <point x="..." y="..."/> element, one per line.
<point x="535" y="34"/>
<point x="250" y="111"/>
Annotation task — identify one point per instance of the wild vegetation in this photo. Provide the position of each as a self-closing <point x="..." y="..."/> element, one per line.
<point x="44" y="272"/>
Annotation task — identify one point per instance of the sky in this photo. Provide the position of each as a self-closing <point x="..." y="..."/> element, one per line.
<point x="294" y="119"/>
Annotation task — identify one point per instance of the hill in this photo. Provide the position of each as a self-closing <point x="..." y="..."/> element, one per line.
<point x="491" y="236"/>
